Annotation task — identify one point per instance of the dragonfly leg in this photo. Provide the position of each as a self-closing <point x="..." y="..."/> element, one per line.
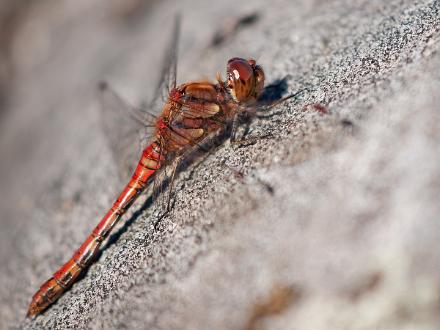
<point x="261" y="111"/>
<point x="173" y="175"/>
<point x="232" y="137"/>
<point x="170" y="190"/>
<point x="284" y="99"/>
<point x="235" y="124"/>
<point x="251" y="140"/>
<point x="243" y="141"/>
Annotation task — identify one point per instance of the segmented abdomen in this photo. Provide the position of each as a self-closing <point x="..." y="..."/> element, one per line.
<point x="151" y="160"/>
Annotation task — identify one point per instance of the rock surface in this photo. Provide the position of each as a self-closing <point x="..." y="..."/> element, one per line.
<point x="333" y="222"/>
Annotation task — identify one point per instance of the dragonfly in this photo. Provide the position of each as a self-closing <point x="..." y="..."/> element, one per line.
<point x="192" y="113"/>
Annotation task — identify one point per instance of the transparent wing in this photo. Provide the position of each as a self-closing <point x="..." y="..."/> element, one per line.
<point x="127" y="128"/>
<point x="167" y="78"/>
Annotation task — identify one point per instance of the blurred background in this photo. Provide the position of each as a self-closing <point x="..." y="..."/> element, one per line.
<point x="345" y="238"/>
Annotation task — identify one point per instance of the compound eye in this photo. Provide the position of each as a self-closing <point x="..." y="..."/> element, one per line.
<point x="239" y="70"/>
<point x="259" y="80"/>
<point x="231" y="80"/>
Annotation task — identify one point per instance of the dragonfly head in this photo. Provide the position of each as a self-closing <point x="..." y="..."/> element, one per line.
<point x="245" y="79"/>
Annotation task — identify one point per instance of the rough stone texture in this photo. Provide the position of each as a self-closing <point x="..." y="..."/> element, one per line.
<point x="346" y="237"/>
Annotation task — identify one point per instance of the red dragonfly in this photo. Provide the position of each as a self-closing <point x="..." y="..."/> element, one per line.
<point x="193" y="112"/>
